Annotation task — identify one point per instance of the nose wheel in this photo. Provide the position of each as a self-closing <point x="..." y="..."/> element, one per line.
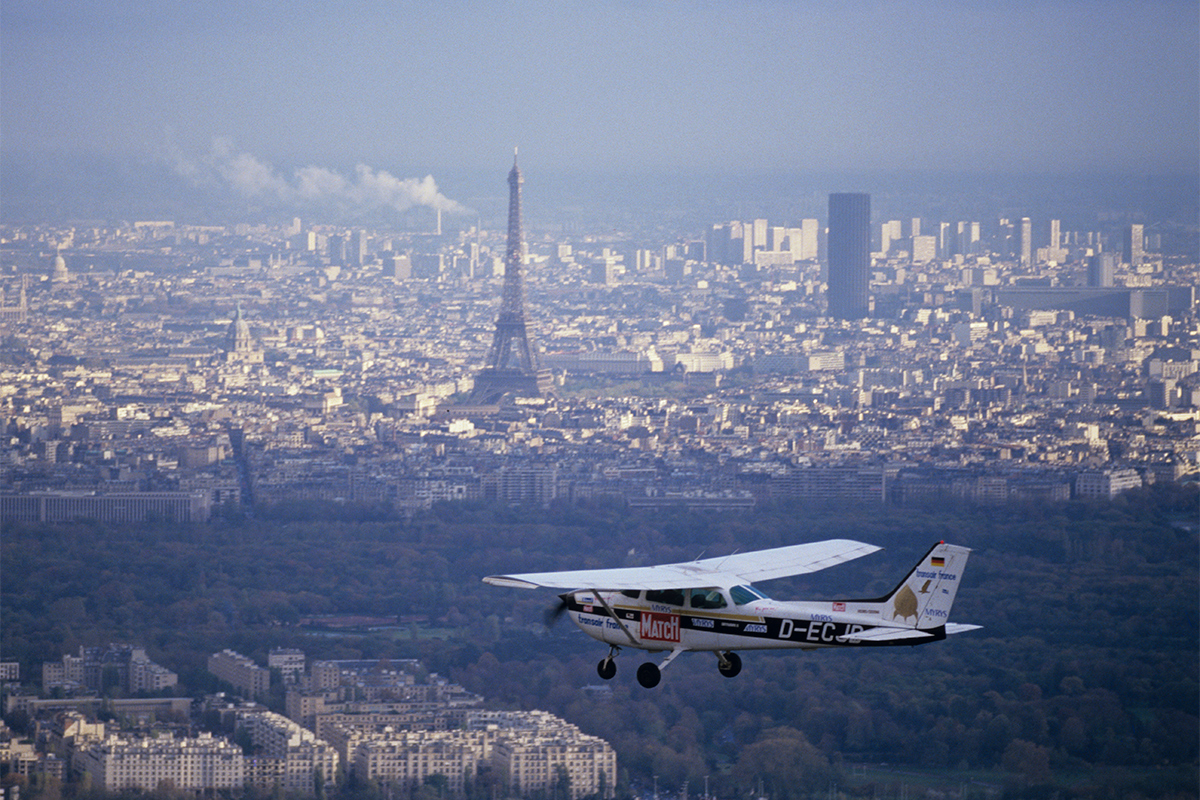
<point x="607" y="668"/>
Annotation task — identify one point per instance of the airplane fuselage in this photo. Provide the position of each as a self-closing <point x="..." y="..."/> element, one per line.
<point x="762" y="625"/>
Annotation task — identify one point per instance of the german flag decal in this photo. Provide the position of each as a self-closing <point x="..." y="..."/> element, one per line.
<point x="937" y="561"/>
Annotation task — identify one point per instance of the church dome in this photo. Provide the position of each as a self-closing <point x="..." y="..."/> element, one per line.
<point x="238" y="335"/>
<point x="58" y="270"/>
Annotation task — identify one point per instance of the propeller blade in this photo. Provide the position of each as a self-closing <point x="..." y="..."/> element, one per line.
<point x="556" y="611"/>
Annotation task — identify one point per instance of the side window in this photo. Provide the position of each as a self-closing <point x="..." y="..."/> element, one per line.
<point x="745" y="594"/>
<point x="707" y="598"/>
<point x="631" y="593"/>
<point x="673" y="597"/>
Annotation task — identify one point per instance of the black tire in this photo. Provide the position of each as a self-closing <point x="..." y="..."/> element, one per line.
<point x="606" y="669"/>
<point x="649" y="675"/>
<point x="734" y="662"/>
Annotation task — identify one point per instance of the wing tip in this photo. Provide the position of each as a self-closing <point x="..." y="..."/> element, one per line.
<point x="509" y="582"/>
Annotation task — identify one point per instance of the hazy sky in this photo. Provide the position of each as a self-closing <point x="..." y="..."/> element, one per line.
<point x="411" y="87"/>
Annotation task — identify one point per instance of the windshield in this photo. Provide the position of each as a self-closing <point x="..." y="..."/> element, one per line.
<point x="746" y="594"/>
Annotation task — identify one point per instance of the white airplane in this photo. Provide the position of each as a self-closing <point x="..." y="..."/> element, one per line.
<point x="711" y="605"/>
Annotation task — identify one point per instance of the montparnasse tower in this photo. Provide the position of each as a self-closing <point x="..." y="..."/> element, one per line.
<point x="511" y="366"/>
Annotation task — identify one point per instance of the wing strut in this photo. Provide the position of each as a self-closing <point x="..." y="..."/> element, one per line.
<point x="600" y="599"/>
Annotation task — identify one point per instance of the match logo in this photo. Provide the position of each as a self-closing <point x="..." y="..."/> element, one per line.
<point x="663" y="627"/>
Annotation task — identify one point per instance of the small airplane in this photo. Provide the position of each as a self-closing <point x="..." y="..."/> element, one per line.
<point x="712" y="605"/>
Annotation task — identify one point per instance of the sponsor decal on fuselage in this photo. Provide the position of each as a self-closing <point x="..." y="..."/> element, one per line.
<point x="600" y="621"/>
<point x="659" y="627"/>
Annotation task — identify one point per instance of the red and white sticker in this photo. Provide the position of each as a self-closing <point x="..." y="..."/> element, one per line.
<point x="661" y="627"/>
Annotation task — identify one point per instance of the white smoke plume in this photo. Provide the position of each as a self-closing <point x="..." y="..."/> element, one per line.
<point x="366" y="190"/>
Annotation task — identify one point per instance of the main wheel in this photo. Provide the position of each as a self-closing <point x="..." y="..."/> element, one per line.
<point x="649" y="675"/>
<point x="607" y="668"/>
<point x="731" y="666"/>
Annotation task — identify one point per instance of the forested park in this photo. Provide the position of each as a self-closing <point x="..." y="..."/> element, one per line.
<point x="1082" y="683"/>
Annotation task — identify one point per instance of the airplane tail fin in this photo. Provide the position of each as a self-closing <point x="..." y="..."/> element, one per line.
<point x="923" y="598"/>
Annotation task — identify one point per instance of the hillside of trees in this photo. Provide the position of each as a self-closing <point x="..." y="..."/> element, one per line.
<point x="1083" y="681"/>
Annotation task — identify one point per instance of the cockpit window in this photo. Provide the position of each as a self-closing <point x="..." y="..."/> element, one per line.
<point x="746" y="594"/>
<point x="673" y="597"/>
<point x="631" y="593"/>
<point x="707" y="598"/>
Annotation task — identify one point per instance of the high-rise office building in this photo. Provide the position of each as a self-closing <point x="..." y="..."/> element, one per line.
<point x="358" y="248"/>
<point x="1025" y="242"/>
<point x="1100" y="270"/>
<point x="759" y="231"/>
<point x="945" y="236"/>
<point x="731" y="243"/>
<point x="1133" y="244"/>
<point x="809" y="238"/>
<point x="849" y="254"/>
<point x="924" y="249"/>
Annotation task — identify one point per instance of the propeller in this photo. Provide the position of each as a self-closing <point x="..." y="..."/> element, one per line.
<point x="556" y="611"/>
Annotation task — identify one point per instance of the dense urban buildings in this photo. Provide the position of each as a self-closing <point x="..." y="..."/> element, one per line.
<point x="156" y="370"/>
<point x="99" y="668"/>
<point x="371" y="721"/>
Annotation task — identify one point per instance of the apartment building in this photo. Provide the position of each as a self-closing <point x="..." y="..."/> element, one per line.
<point x="241" y="672"/>
<point x="405" y="759"/>
<point x="199" y="764"/>
<point x="289" y="754"/>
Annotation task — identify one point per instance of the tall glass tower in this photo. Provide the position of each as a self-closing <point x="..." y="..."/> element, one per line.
<point x="849" y="254"/>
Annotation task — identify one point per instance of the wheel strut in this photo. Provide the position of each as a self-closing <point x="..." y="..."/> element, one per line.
<point x="607" y="668"/>
<point x="729" y="664"/>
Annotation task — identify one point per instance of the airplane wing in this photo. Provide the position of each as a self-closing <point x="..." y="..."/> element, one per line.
<point x="759" y="565"/>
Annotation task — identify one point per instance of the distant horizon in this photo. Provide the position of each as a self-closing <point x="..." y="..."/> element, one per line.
<point x="103" y="187"/>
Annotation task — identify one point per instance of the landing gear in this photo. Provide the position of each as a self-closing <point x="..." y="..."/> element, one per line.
<point x="649" y="675"/>
<point x="607" y="668"/>
<point x="728" y="664"/>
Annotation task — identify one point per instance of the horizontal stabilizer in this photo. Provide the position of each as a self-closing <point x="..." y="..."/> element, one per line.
<point x="959" y="627"/>
<point x="887" y="635"/>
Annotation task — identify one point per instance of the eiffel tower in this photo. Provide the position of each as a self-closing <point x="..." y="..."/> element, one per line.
<point x="511" y="366"/>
